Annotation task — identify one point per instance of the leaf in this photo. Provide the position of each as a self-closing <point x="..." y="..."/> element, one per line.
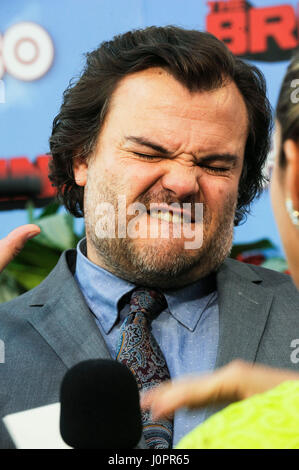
<point x="27" y="278"/>
<point x="40" y="255"/>
<point x="9" y="288"/>
<point x="36" y="254"/>
<point x="50" y="209"/>
<point x="30" y="212"/>
<point x="56" y="231"/>
<point x="263" y="244"/>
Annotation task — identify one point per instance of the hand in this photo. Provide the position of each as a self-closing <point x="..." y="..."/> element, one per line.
<point x="236" y="381"/>
<point x="11" y="245"/>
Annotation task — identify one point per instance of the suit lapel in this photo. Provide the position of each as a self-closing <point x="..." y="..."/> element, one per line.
<point x="60" y="314"/>
<point x="243" y="311"/>
<point x="244" y="307"/>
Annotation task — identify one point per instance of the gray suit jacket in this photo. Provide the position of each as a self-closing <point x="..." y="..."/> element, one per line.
<point x="50" y="328"/>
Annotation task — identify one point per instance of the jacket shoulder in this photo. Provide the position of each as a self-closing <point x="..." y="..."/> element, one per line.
<point x="49" y="287"/>
<point x="257" y="273"/>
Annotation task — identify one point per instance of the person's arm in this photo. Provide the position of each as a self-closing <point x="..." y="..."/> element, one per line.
<point x="11" y="245"/>
<point x="236" y="381"/>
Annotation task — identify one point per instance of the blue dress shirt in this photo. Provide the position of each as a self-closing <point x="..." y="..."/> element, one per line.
<point x="187" y="331"/>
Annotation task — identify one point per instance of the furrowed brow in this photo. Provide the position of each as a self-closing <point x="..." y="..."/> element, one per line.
<point x="224" y="157"/>
<point x="147" y="143"/>
<point x="221" y="157"/>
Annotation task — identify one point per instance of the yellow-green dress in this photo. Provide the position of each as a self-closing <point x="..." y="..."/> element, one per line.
<point x="265" y="421"/>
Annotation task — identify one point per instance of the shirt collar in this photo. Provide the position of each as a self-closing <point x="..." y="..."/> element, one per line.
<point x="102" y="302"/>
<point x="186" y="304"/>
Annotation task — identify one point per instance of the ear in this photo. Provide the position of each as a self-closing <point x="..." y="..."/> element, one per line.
<point x="80" y="168"/>
<point x="291" y="151"/>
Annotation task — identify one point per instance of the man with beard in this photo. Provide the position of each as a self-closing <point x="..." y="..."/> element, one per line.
<point x="170" y="121"/>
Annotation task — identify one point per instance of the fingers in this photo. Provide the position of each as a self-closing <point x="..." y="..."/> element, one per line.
<point x="164" y="400"/>
<point x="191" y="393"/>
<point x="11" y="245"/>
<point x="220" y="386"/>
<point x="236" y="381"/>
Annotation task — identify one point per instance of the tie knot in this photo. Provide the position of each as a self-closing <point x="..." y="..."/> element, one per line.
<point x="148" y="301"/>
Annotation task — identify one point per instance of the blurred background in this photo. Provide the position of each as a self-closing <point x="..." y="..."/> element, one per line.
<point x="42" y="46"/>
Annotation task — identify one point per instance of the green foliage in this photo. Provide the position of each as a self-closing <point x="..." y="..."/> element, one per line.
<point x="263" y="244"/>
<point x="40" y="255"/>
<point x="9" y="288"/>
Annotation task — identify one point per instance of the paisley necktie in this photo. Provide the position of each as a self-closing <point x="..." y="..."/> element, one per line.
<point x="140" y="352"/>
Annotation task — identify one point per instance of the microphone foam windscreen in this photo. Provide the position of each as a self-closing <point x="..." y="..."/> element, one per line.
<point x="100" y="406"/>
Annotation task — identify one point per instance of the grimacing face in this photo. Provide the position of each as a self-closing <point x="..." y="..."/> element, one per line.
<point x="162" y="144"/>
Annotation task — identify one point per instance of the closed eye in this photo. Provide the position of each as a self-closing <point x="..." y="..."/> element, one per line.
<point x="147" y="157"/>
<point x="208" y="167"/>
<point x="214" y="168"/>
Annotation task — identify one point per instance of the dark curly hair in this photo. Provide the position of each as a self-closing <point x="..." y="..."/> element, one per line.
<point x="196" y="59"/>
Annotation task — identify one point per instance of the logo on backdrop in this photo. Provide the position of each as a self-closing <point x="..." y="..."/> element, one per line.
<point x="19" y="169"/>
<point x="26" y="51"/>
<point x="257" y="33"/>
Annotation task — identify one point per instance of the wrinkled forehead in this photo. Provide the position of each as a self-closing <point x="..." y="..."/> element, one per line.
<point x="154" y="101"/>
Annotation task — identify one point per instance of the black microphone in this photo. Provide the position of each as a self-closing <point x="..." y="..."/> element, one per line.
<point x="30" y="186"/>
<point x="100" y="406"/>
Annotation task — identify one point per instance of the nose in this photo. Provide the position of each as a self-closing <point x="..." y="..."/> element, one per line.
<point x="181" y="181"/>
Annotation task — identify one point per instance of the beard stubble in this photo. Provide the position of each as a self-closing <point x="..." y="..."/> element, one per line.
<point x="148" y="265"/>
